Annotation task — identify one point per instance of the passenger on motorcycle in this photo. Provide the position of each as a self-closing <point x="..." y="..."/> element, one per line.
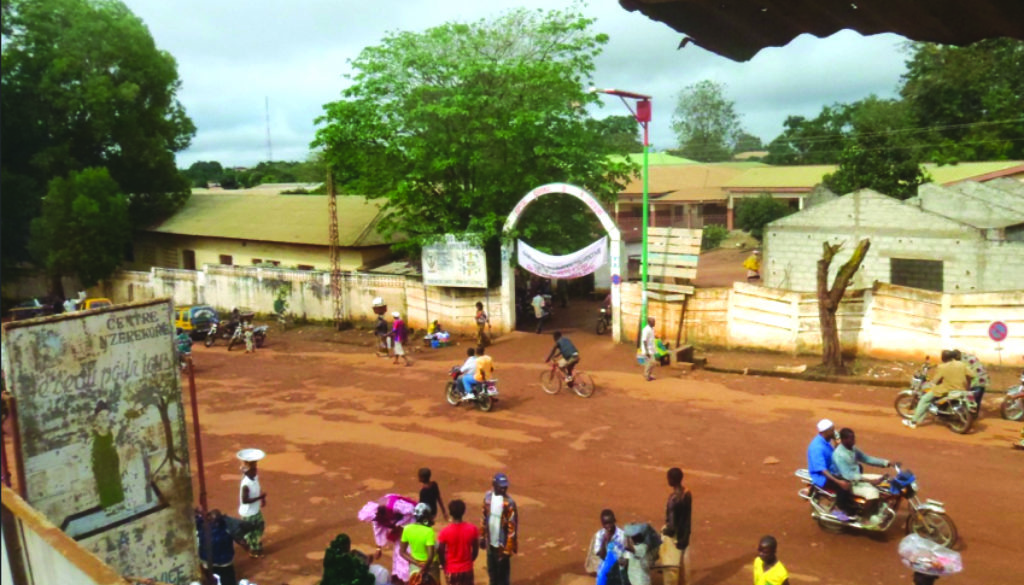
<point x="819" y="464"/>
<point x="570" y="356"/>
<point x="183" y="341"/>
<point x="468" y="371"/>
<point x="950" y="375"/>
<point x="484" y="367"/>
<point x="979" y="377"/>
<point x="846" y="463"/>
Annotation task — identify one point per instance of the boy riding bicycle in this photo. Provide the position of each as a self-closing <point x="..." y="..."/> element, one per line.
<point x="569" y="357"/>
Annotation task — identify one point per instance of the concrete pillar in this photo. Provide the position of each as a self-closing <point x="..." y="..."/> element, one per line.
<point x="728" y="214"/>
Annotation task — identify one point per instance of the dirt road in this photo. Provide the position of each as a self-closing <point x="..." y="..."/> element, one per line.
<point x="342" y="427"/>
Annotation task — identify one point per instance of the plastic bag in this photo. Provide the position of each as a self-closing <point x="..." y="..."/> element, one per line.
<point x="925" y="556"/>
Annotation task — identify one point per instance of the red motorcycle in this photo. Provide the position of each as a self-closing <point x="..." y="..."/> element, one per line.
<point x="484" y="394"/>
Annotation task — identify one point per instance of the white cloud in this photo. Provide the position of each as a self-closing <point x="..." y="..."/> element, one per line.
<point x="232" y="54"/>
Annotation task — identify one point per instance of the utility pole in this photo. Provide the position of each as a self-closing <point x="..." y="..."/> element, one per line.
<point x="335" y="244"/>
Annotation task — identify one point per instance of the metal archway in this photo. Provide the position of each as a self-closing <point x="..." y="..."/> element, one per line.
<point x="508" y="294"/>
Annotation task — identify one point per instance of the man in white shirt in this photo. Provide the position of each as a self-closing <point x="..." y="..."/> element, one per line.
<point x="468" y="371"/>
<point x="648" y="348"/>
<point x="539" y="309"/>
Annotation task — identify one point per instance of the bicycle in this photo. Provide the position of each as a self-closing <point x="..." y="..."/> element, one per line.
<point x="581" y="383"/>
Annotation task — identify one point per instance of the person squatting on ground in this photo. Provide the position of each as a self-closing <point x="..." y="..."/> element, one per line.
<point x="675" y="549"/>
<point x="418" y="547"/>
<point x="649" y="348"/>
<point x="468" y="372"/>
<point x="819" y="465"/>
<point x="846" y="463"/>
<point x="569" y="356"/>
<point x="483" y="339"/>
<point x="253" y="499"/>
<point x="458" y="546"/>
<point x="950" y="375"/>
<point x="609" y="548"/>
<point x="979" y="377"/>
<point x="768" y="570"/>
<point x="399" y="336"/>
<point x="753" y="266"/>
<point x="500" y="529"/>
<point x="430" y="494"/>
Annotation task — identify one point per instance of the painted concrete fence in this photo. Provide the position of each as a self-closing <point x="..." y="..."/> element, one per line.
<point x="308" y="294"/>
<point x="885" y="321"/>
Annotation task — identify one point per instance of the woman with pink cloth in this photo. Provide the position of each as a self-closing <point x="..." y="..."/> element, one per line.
<point x="388" y="515"/>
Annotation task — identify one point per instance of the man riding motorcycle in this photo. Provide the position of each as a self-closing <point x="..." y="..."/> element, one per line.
<point x="950" y="375"/>
<point x="846" y="463"/>
<point x="468" y="372"/>
<point x="819" y="464"/>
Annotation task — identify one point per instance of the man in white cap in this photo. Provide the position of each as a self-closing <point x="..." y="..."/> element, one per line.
<point x="819" y="464"/>
<point x="252" y="500"/>
<point x="399" y="335"/>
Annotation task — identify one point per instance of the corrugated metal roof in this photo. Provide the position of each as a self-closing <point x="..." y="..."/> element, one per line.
<point x="695" y="178"/>
<point x="291" y="219"/>
<point x="655" y="158"/>
<point x="738" y="29"/>
<point x="807" y="176"/>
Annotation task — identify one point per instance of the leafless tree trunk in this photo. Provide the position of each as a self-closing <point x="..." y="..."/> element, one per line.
<point x="828" y="301"/>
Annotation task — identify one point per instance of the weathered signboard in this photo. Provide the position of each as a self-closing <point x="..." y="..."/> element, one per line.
<point x="454" y="262"/>
<point x="103" y="437"/>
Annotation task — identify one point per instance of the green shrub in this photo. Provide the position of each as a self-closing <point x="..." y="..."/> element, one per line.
<point x="753" y="214"/>
<point x="714" y="235"/>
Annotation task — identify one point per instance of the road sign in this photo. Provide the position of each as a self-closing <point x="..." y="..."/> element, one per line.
<point x="997" y="331"/>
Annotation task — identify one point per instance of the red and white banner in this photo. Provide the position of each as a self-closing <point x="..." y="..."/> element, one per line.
<point x="579" y="263"/>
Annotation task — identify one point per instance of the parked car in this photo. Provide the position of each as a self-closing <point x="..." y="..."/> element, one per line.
<point x="30" y="309"/>
<point x="97" y="303"/>
<point x="195" y="320"/>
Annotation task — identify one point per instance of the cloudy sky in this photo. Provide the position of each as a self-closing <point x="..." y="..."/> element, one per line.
<point x="235" y="54"/>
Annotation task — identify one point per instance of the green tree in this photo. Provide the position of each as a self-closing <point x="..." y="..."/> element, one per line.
<point x="83" y="229"/>
<point x="747" y="143"/>
<point x="812" y="142"/>
<point x="755" y="213"/>
<point x="84" y="86"/>
<point x="201" y="173"/>
<point x="620" y="133"/>
<point x="878" y="155"/>
<point x="706" y="122"/>
<point x="455" y="124"/>
<point x="972" y="99"/>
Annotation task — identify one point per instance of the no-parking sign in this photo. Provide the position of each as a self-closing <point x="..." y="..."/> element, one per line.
<point x="997" y="331"/>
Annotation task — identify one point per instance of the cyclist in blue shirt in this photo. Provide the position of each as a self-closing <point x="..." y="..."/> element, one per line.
<point x="569" y="355"/>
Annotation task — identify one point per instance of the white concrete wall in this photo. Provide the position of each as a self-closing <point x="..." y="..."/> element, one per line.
<point x="793" y="246"/>
<point x="885" y="321"/>
<point x="309" y="294"/>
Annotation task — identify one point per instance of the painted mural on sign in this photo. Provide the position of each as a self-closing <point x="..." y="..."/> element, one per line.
<point x="454" y="262"/>
<point x="103" y="435"/>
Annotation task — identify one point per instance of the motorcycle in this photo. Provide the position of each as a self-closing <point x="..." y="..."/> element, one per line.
<point x="1013" y="403"/>
<point x="953" y="410"/>
<point x="259" y="336"/>
<point x="222" y="330"/>
<point x="484" y="395"/>
<point x="927" y="519"/>
<point x="604" y="321"/>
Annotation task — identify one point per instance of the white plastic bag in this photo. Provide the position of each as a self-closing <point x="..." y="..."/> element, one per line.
<point x="925" y="556"/>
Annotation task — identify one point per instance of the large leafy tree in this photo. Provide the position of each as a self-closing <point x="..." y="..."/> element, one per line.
<point x="85" y="86"/>
<point x="455" y="124"/>
<point x="754" y="213"/>
<point x="620" y="133"/>
<point x="812" y="141"/>
<point x="83" y="230"/>
<point x="879" y="153"/>
<point x="706" y="122"/>
<point x="972" y="98"/>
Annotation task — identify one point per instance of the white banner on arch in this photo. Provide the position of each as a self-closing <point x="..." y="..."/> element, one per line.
<point x="579" y="263"/>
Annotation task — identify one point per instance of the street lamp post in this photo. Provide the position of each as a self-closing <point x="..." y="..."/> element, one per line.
<point x="642" y="114"/>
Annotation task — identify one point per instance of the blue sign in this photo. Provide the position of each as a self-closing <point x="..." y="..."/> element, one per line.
<point x="997" y="331"/>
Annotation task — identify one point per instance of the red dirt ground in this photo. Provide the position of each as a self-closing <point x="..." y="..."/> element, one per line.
<point x="342" y="427"/>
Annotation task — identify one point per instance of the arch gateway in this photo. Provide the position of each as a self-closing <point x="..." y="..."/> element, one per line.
<point x="508" y="295"/>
